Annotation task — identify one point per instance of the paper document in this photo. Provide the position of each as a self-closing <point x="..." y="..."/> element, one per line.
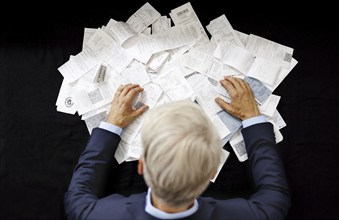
<point x="221" y="29"/>
<point x="161" y="24"/>
<point x="260" y="91"/>
<point x="205" y="94"/>
<point x="141" y="47"/>
<point x="264" y="70"/>
<point x="270" y="50"/>
<point x="120" y="32"/>
<point x="185" y="14"/>
<point x="175" y="85"/>
<point x="234" y="56"/>
<point x="144" y="17"/>
<point x="238" y="145"/>
<point x="223" y="157"/>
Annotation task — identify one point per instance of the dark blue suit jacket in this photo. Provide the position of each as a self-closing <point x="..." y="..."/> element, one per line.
<point x="271" y="200"/>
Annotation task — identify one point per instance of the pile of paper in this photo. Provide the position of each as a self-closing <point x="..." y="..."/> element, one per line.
<point x="172" y="62"/>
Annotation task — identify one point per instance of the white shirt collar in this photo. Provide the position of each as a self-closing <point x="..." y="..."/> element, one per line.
<point x="150" y="209"/>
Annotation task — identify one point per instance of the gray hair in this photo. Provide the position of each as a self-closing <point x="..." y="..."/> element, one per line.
<point x="181" y="151"/>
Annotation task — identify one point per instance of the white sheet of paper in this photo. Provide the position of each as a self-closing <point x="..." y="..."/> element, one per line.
<point x="223" y="158"/>
<point x="79" y="65"/>
<point x="278" y="135"/>
<point x="260" y="91"/>
<point x="143" y="17"/>
<point x="134" y="150"/>
<point x="177" y="52"/>
<point x="131" y="131"/>
<point x="94" y="121"/>
<point x="101" y="44"/>
<point x="157" y="60"/>
<point x="198" y="61"/>
<point x="238" y="145"/>
<point x="141" y="47"/>
<point x="270" y="105"/>
<point x="96" y="49"/>
<point x="163" y="99"/>
<point x="277" y="120"/>
<point x="264" y="70"/>
<point x="119" y="59"/>
<point x="107" y="49"/>
<point x="218" y="70"/>
<point x="242" y="36"/>
<point x="177" y="63"/>
<point x="136" y="74"/>
<point x="120" y="32"/>
<point x="121" y="152"/>
<point x="235" y="56"/>
<point x="185" y="14"/>
<point x="151" y="94"/>
<point x="207" y="48"/>
<point x="161" y="24"/>
<point x="270" y="50"/>
<point x="108" y="26"/>
<point x="88" y="33"/>
<point x="220" y="126"/>
<point x="93" y="97"/>
<point x="205" y="94"/>
<point x="65" y="100"/>
<point x="147" y="31"/>
<point x="232" y="123"/>
<point x="220" y="28"/>
<point x="281" y="75"/>
<point x="104" y="108"/>
<point x="175" y="85"/>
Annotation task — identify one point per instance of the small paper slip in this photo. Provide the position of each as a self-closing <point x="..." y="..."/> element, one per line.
<point x="238" y="145"/>
<point x="185" y="14"/>
<point x="143" y="17"/>
<point x="264" y="70"/>
<point x="235" y="56"/>
<point x="223" y="157"/>
<point x="270" y="50"/>
<point x="220" y="28"/>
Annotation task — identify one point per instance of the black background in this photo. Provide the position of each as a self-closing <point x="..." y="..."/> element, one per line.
<point x="39" y="146"/>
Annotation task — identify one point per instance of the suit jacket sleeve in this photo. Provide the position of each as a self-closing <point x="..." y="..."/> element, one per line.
<point x="89" y="177"/>
<point x="272" y="198"/>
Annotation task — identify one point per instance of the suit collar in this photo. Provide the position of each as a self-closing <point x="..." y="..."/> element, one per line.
<point x="136" y="207"/>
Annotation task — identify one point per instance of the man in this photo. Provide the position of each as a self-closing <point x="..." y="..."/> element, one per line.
<point x="181" y="152"/>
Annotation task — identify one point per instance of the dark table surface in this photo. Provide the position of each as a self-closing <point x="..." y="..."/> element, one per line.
<point x="39" y="146"/>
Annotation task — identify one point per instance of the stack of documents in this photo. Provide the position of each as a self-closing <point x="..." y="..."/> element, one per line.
<point x="172" y="58"/>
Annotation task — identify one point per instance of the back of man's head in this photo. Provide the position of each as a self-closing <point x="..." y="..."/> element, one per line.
<point x="181" y="151"/>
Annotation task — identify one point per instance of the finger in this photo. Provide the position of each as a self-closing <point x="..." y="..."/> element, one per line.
<point x="119" y="90"/>
<point x="141" y="109"/>
<point x="236" y="82"/>
<point x="224" y="105"/>
<point x="126" y="88"/>
<point x="133" y="93"/>
<point x="243" y="84"/>
<point x="248" y="88"/>
<point x="228" y="86"/>
<point x="121" y="87"/>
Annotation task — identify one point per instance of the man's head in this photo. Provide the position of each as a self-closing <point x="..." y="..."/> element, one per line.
<point x="181" y="152"/>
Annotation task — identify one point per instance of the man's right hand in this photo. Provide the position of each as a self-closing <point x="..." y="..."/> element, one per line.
<point x="243" y="104"/>
<point x="122" y="112"/>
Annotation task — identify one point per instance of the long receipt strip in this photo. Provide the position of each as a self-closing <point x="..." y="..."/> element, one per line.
<point x="172" y="63"/>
